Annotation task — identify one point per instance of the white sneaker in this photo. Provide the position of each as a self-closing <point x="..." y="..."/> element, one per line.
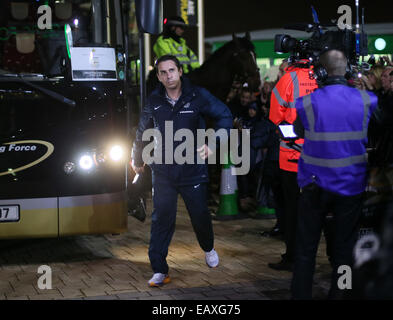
<point x="211" y="258"/>
<point x="159" y="279"/>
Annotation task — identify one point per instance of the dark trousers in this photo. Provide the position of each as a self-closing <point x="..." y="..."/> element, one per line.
<point x="314" y="203"/>
<point x="247" y="183"/>
<point x="165" y="193"/>
<point x="271" y="184"/>
<point x="291" y="192"/>
<point x="279" y="204"/>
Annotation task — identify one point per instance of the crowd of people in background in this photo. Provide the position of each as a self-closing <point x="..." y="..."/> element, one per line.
<point x="259" y="191"/>
<point x="251" y="110"/>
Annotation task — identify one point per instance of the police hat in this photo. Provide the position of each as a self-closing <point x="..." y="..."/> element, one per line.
<point x="175" y="21"/>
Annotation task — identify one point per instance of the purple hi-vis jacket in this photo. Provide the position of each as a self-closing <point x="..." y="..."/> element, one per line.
<point x="335" y="119"/>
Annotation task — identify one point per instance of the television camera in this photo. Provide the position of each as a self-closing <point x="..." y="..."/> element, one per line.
<point x="325" y="37"/>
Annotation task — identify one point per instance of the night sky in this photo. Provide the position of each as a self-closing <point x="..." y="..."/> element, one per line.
<point x="226" y="16"/>
<point x="223" y="17"/>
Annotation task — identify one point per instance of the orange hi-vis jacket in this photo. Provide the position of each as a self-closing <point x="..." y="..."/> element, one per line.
<point x="295" y="83"/>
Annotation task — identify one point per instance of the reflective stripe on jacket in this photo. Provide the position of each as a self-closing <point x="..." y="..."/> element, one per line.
<point x="180" y="50"/>
<point x="335" y="120"/>
<point x="292" y="85"/>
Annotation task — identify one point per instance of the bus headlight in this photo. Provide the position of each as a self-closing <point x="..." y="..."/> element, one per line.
<point x="86" y="162"/>
<point x="116" y="153"/>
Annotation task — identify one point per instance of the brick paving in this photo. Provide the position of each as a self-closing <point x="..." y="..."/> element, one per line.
<point x="117" y="266"/>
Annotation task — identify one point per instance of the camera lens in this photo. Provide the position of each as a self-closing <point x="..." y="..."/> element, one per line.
<point x="284" y="43"/>
<point x="289" y="43"/>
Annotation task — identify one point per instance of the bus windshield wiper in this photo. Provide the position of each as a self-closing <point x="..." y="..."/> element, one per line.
<point x="50" y="93"/>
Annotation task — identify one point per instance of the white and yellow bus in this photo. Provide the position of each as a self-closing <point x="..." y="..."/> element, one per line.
<point x="63" y="117"/>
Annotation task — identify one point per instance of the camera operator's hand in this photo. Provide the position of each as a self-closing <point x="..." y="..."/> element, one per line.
<point x="366" y="82"/>
<point x="359" y="84"/>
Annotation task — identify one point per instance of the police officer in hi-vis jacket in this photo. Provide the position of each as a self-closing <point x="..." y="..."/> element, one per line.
<point x="171" y="42"/>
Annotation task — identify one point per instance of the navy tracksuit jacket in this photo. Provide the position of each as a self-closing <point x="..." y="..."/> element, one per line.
<point x="188" y="180"/>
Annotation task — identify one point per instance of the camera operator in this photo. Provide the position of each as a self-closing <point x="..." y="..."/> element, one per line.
<point x="295" y="83"/>
<point x="332" y="171"/>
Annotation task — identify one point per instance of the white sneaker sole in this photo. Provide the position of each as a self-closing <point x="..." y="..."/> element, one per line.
<point x="160" y="284"/>
<point x="212" y="267"/>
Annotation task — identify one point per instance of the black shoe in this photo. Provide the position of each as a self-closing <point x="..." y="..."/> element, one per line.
<point x="283" y="265"/>
<point x="138" y="211"/>
<point x="275" y="232"/>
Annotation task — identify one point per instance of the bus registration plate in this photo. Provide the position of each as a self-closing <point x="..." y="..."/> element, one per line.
<point x="9" y="213"/>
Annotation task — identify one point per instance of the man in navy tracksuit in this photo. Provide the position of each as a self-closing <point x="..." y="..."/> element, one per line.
<point x="178" y="103"/>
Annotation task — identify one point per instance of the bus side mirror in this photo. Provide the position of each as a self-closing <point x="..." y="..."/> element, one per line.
<point x="149" y="15"/>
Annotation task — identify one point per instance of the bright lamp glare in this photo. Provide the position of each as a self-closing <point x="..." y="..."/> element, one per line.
<point x="380" y="44"/>
<point x="116" y="153"/>
<point x="86" y="162"/>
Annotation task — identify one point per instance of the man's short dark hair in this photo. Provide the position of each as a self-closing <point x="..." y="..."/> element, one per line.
<point x="168" y="57"/>
<point x="335" y="62"/>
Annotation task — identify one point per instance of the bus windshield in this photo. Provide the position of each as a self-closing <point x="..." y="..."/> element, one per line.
<point x="33" y="37"/>
<point x="36" y="90"/>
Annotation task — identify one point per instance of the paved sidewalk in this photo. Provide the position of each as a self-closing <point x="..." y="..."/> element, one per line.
<point x="117" y="266"/>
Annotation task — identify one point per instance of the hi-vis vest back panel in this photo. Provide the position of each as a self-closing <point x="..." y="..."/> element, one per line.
<point x="180" y="50"/>
<point x="293" y="84"/>
<point x="335" y="119"/>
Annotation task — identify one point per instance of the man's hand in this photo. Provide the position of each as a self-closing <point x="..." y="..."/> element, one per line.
<point x="137" y="170"/>
<point x="204" y="152"/>
<point x="237" y="123"/>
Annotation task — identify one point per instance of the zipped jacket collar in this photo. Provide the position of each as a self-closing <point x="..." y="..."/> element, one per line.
<point x="335" y="80"/>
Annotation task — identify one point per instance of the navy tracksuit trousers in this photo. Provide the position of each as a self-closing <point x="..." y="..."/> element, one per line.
<point x="165" y="193"/>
